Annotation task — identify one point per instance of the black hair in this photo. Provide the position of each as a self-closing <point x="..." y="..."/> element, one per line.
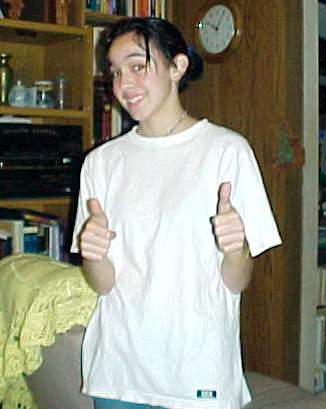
<point x="165" y="37"/>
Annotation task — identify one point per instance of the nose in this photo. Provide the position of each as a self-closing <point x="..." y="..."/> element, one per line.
<point x="125" y="81"/>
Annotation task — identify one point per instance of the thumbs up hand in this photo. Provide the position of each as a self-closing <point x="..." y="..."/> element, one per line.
<point x="96" y="237"/>
<point x="227" y="224"/>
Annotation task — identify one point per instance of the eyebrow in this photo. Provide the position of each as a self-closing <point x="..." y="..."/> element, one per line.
<point x="131" y="55"/>
<point x="136" y="54"/>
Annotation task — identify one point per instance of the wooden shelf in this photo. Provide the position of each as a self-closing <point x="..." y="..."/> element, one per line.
<point x="19" y="31"/>
<point x="44" y="113"/>
<point x="20" y="202"/>
<point x="95" y="18"/>
<point x="57" y="205"/>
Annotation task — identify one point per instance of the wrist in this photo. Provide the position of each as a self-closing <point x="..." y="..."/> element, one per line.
<point x="242" y="254"/>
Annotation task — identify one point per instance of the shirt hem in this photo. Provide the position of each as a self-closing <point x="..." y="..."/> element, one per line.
<point x="166" y="402"/>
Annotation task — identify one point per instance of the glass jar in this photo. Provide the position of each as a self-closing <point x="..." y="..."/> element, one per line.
<point x="44" y="94"/>
<point x="6" y="75"/>
<point x="17" y="95"/>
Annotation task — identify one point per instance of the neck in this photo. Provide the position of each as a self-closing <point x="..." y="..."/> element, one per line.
<point x="162" y="126"/>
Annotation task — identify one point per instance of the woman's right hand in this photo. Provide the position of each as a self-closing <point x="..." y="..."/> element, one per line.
<point x="96" y="237"/>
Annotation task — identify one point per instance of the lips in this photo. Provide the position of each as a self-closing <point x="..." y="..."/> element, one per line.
<point x="134" y="100"/>
<point x="133" y="103"/>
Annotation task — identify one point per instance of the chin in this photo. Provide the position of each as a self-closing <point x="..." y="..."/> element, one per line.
<point x="136" y="116"/>
<point x="138" y="113"/>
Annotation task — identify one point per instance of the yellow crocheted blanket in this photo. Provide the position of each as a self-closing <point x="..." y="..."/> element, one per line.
<point x="39" y="298"/>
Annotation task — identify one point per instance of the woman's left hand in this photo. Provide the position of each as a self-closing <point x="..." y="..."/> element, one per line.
<point x="227" y="224"/>
<point x="230" y="236"/>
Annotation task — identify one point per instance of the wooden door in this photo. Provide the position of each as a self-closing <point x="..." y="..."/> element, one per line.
<point x="257" y="91"/>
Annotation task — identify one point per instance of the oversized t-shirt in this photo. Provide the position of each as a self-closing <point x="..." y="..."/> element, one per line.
<point x="167" y="334"/>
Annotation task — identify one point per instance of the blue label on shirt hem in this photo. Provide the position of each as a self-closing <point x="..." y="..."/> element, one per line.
<point x="206" y="394"/>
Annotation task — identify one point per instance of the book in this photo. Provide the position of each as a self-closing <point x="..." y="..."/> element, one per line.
<point x="144" y="8"/>
<point x="130" y="8"/>
<point x="31" y="239"/>
<point x="163" y="9"/>
<point x="14" y="229"/>
<point x="136" y="8"/>
<point x="121" y="7"/>
<point x="321" y="286"/>
<point x="104" y="6"/>
<point x="112" y="5"/>
<point x="5" y="244"/>
<point x="33" y="232"/>
<point x="320" y="337"/>
<point x="102" y="109"/>
<point x="98" y="63"/>
<point x="320" y="378"/>
<point x="88" y="5"/>
<point x="158" y="8"/>
<point x="115" y="119"/>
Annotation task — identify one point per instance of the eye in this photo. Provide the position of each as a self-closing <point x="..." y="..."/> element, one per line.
<point x="115" y="74"/>
<point x="138" y="67"/>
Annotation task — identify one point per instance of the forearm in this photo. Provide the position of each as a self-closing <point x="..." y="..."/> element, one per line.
<point x="237" y="270"/>
<point x="100" y="275"/>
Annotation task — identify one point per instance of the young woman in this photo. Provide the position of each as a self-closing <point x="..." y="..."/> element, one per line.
<point x="168" y="219"/>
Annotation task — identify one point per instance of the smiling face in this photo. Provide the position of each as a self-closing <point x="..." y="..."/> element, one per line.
<point x="147" y="90"/>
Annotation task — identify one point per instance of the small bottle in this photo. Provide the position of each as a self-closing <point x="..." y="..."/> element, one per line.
<point x="17" y="95"/>
<point x="61" y="91"/>
<point x="6" y="74"/>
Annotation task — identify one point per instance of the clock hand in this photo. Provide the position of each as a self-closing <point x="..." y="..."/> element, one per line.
<point x="219" y="20"/>
<point x="211" y="25"/>
<point x="215" y="27"/>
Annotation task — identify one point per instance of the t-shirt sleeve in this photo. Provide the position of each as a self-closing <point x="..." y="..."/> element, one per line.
<point x="249" y="198"/>
<point x="86" y="191"/>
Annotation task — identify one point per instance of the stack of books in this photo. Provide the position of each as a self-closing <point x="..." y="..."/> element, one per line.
<point x="29" y="231"/>
<point x="143" y="8"/>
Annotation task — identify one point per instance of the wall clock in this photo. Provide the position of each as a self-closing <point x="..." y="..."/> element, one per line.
<point x="218" y="29"/>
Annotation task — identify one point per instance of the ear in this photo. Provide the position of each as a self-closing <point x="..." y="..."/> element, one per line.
<point x="179" y="67"/>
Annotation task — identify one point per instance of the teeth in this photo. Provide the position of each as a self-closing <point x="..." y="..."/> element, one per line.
<point x="134" y="100"/>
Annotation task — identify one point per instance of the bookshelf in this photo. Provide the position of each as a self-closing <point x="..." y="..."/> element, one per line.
<point x="84" y="16"/>
<point x="42" y="51"/>
<point x="104" y="104"/>
<point x="35" y="48"/>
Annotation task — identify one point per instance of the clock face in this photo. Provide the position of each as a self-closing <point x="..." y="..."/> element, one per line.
<point x="217" y="29"/>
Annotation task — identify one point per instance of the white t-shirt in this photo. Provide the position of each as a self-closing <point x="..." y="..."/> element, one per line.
<point x="168" y="332"/>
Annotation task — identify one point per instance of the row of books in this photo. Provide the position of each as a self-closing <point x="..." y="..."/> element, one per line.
<point x="322" y="151"/>
<point x="109" y="119"/>
<point x="320" y="368"/>
<point x="28" y="231"/>
<point x="143" y="8"/>
<point x="321" y="286"/>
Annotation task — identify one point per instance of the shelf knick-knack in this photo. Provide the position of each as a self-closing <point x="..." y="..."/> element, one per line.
<point x="15" y="8"/>
<point x="6" y="76"/>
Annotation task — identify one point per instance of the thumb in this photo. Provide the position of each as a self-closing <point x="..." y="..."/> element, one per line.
<point x="95" y="209"/>
<point x="224" y="193"/>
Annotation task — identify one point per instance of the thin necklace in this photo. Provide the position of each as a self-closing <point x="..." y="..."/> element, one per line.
<point x="172" y="128"/>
